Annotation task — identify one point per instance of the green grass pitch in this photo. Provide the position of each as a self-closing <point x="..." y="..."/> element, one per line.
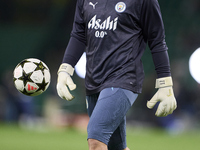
<point x="15" y="138"/>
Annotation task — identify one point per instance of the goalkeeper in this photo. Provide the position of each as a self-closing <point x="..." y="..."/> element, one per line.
<point x="114" y="36"/>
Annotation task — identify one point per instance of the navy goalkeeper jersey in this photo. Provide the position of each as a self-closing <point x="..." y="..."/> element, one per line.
<point x="114" y="34"/>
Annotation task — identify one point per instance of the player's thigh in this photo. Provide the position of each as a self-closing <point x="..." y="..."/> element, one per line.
<point x="109" y="112"/>
<point x="118" y="138"/>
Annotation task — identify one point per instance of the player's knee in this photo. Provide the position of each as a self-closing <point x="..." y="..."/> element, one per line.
<point x="96" y="145"/>
<point x="93" y="144"/>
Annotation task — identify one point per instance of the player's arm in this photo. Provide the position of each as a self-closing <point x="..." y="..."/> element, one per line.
<point x="153" y="31"/>
<point x="73" y="52"/>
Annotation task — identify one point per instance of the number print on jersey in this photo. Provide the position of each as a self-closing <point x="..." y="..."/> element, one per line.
<point x="100" y="34"/>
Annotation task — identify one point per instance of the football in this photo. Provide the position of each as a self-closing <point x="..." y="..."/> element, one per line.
<point x="31" y="77"/>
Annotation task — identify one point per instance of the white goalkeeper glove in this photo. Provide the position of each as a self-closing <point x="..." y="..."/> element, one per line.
<point x="64" y="80"/>
<point x="165" y="96"/>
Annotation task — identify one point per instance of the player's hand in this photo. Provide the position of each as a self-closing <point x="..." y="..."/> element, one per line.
<point x="165" y="96"/>
<point x="65" y="81"/>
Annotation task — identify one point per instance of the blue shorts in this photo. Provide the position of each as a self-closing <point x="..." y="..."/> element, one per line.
<point x="107" y="111"/>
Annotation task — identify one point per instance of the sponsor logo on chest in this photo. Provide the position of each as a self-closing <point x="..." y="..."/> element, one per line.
<point x="106" y="24"/>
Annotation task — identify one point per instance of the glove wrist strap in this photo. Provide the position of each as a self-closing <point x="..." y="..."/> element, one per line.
<point x="163" y="82"/>
<point x="66" y="68"/>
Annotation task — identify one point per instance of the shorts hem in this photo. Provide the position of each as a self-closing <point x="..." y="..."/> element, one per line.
<point x="99" y="139"/>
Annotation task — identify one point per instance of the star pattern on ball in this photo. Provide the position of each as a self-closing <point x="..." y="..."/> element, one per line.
<point x="40" y="66"/>
<point x="26" y="78"/>
<point x="42" y="85"/>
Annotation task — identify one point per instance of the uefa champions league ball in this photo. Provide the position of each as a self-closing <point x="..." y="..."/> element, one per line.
<point x="31" y="77"/>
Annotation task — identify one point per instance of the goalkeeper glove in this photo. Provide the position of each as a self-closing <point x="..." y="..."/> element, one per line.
<point x="64" y="79"/>
<point x="165" y="96"/>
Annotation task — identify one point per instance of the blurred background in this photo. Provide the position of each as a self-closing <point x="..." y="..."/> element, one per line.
<point x="41" y="29"/>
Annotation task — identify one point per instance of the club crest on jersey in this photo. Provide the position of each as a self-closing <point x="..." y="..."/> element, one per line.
<point x="120" y="7"/>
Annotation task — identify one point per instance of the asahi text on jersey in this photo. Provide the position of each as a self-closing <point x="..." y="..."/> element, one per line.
<point x="107" y="24"/>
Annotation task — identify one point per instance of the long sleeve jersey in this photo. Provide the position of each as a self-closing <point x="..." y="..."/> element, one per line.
<point x="114" y="35"/>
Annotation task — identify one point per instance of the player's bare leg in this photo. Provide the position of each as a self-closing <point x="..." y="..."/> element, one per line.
<point x="96" y="145"/>
<point x="126" y="148"/>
